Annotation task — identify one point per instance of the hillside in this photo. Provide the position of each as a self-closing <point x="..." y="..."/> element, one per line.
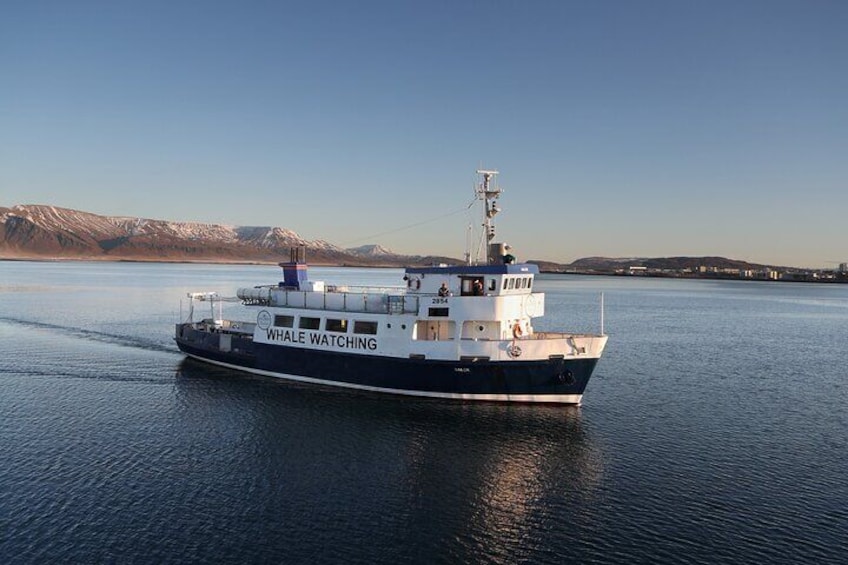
<point x="659" y="263"/>
<point x="609" y="265"/>
<point x="50" y="232"/>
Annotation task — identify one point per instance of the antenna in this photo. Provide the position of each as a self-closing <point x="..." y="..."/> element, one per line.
<point x="469" y="236"/>
<point x="488" y="192"/>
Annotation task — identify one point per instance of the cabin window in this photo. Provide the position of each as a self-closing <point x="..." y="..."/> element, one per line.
<point x="530" y="282"/>
<point x="360" y="327"/>
<point x="472" y="286"/>
<point x="493" y="285"/>
<point x="284" y="321"/>
<point x="438" y="312"/>
<point x="334" y="325"/>
<point x="307" y="323"/>
<point x="509" y="283"/>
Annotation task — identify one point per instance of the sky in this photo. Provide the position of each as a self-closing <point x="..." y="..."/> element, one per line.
<point x="620" y="128"/>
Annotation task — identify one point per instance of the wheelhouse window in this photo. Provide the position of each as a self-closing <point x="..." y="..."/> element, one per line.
<point x="284" y="321"/>
<point x="308" y="323"/>
<point x="362" y="327"/>
<point x="335" y="325"/>
<point x="472" y="286"/>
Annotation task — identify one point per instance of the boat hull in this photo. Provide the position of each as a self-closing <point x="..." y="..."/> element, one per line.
<point x="555" y="380"/>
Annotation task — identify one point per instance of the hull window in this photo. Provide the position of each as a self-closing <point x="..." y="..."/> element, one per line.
<point x="284" y="321"/>
<point x="338" y="326"/>
<point x="360" y="327"/>
<point x="308" y="323"/>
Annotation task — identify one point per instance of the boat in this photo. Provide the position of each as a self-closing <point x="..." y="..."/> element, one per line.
<point x="448" y="331"/>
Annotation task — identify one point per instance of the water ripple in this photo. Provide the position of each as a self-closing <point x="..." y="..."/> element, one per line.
<point x="714" y="431"/>
<point x="93" y="335"/>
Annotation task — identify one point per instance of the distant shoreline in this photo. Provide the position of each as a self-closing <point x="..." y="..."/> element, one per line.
<point x="795" y="277"/>
<point x="701" y="276"/>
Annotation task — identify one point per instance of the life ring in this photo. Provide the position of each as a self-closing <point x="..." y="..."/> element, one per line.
<point x="516" y="331"/>
<point x="414" y="284"/>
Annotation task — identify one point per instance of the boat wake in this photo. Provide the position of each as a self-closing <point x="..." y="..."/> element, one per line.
<point x="94" y="335"/>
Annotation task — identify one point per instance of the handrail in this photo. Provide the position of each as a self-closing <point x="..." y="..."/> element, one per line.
<point x="341" y="301"/>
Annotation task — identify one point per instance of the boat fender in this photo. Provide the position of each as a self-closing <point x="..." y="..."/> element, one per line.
<point x="516" y="331"/>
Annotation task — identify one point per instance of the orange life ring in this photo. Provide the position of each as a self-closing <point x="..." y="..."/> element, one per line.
<point x="516" y="330"/>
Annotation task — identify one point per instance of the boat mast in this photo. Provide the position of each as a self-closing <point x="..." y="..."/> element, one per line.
<point x="488" y="192"/>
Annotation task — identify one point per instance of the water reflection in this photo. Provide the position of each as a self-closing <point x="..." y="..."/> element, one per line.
<point x="486" y="477"/>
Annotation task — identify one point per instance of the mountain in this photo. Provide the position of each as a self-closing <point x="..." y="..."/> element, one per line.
<point x="50" y="232"/>
<point x="37" y="231"/>
<point x="371" y="251"/>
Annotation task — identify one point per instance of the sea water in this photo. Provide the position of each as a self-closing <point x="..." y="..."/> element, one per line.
<point x="715" y="430"/>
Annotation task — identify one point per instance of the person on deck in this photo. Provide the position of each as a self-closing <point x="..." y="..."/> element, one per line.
<point x="443" y="290"/>
<point x="478" y="287"/>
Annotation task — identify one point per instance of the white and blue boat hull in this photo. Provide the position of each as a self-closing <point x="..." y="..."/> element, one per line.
<point x="557" y="380"/>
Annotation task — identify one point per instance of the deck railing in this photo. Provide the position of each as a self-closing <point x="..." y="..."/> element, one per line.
<point x="340" y="299"/>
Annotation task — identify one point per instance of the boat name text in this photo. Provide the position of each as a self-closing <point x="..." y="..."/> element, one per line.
<point x="327" y="340"/>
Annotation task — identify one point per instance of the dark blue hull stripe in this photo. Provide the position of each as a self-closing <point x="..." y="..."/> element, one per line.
<point x="461" y="379"/>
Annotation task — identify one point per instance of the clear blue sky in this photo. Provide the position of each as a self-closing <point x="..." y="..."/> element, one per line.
<point x="621" y="128"/>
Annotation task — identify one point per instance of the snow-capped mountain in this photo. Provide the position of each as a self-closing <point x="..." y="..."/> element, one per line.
<point x="373" y="250"/>
<point x="50" y="231"/>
